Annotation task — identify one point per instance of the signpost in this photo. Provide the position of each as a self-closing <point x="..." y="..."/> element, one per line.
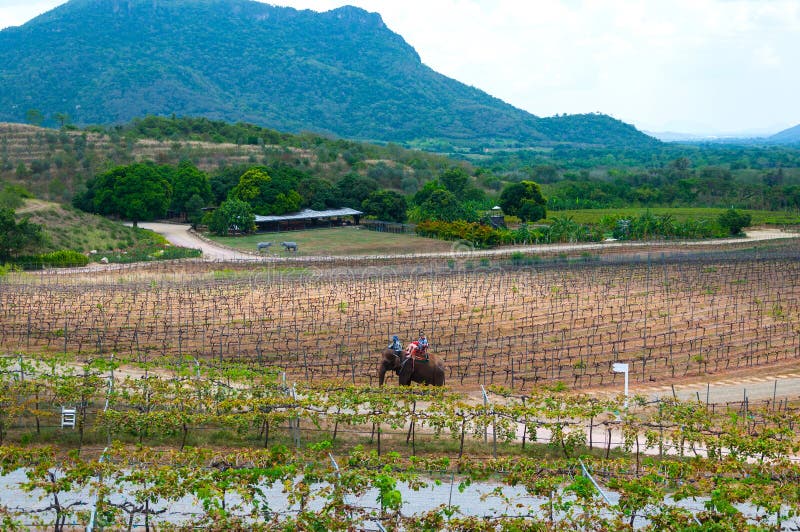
<point x="619" y="367"/>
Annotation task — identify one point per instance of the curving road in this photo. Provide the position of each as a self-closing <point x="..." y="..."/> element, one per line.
<point x="179" y="235"/>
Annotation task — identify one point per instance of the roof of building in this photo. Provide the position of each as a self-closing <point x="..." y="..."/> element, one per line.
<point x="308" y="214"/>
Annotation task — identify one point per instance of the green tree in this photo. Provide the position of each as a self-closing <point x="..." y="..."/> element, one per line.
<point x="317" y="193"/>
<point x="353" y="189"/>
<point x="456" y="180"/>
<point x="525" y="200"/>
<point x="17" y="237"/>
<point x="250" y="187"/>
<point x="34" y="117"/>
<point x="234" y="215"/>
<point x="22" y="171"/>
<point x="62" y="118"/>
<point x="268" y="195"/>
<point x="386" y="205"/>
<point x="426" y="191"/>
<point x="187" y="182"/>
<point x="225" y="181"/>
<point x="194" y="210"/>
<point x="137" y="192"/>
<point x="734" y="221"/>
<point x="442" y="205"/>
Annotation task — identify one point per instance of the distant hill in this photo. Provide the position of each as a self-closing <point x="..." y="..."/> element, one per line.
<point x="342" y="72"/>
<point x="787" y="136"/>
<point x="53" y="164"/>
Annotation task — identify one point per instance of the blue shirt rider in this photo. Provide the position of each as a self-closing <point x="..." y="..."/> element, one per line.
<point x="396" y="346"/>
<point x="422" y="342"/>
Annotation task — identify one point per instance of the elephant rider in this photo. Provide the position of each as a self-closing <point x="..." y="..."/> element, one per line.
<point x="396" y="346"/>
<point x="419" y="347"/>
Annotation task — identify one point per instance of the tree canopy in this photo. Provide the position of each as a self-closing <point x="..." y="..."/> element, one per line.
<point x="523" y="199"/>
<point x="233" y="215"/>
<point x="734" y="221"/>
<point x="137" y="192"/>
<point x="385" y="205"/>
<point x="17" y="237"/>
<point x="266" y="195"/>
<point x="188" y="181"/>
<point x="353" y="189"/>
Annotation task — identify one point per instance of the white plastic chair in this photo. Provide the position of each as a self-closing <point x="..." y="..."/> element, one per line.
<point x="68" y="416"/>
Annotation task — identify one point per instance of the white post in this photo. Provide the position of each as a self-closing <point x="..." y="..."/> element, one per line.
<point x="619" y="367"/>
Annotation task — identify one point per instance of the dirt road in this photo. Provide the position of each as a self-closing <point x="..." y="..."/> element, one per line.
<point x="179" y="235"/>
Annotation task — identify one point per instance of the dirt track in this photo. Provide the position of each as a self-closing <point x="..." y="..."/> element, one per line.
<point x="180" y="236"/>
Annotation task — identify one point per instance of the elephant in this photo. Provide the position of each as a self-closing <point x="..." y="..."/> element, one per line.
<point x="429" y="372"/>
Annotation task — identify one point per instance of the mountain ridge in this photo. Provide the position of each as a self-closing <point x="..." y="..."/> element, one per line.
<point x="341" y="72"/>
<point x="790" y="135"/>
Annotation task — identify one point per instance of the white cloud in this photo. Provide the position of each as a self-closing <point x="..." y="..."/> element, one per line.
<point x="711" y="65"/>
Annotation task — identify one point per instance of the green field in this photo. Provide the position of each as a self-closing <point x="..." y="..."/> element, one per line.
<point x="593" y="216"/>
<point x="339" y="241"/>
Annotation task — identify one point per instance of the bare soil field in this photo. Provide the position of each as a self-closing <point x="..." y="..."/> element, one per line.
<point x="669" y="318"/>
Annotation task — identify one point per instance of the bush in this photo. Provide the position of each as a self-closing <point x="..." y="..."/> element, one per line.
<point x="28" y="262"/>
<point x="480" y="235"/>
<point x="734" y="221"/>
<point x="64" y="258"/>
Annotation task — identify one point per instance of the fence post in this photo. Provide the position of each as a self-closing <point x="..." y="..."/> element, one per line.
<point x="93" y="516"/>
<point x="596" y="485"/>
<point x="294" y="422"/>
<point x="486" y="403"/>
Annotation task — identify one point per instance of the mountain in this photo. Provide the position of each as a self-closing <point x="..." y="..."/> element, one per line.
<point x="342" y="72"/>
<point x="787" y="136"/>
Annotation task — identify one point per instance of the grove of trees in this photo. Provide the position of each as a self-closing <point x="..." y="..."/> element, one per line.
<point x="17" y="238"/>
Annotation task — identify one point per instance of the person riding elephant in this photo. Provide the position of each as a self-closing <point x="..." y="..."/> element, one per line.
<point x="425" y="370"/>
<point x="396" y="345"/>
<point x="419" y="347"/>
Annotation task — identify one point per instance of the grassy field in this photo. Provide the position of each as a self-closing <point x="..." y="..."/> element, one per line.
<point x="679" y="213"/>
<point x="339" y="241"/>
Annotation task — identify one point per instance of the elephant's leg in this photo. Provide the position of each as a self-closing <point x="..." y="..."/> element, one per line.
<point x="405" y="374"/>
<point x="381" y="373"/>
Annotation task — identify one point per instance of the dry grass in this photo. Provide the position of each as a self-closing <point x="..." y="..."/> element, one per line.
<point x="340" y="241"/>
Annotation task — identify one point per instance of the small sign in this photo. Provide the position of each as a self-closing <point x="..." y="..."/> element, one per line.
<point x="619" y="368"/>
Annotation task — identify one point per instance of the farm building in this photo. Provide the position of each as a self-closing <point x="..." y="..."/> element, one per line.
<point x="308" y="218"/>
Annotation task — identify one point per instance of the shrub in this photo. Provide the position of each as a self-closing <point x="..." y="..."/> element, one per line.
<point x="64" y="258"/>
<point x="480" y="235"/>
<point x="734" y="221"/>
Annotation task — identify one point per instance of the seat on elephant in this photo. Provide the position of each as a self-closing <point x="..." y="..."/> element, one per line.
<point x="419" y="356"/>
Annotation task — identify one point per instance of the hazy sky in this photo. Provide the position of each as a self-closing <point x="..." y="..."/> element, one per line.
<point x="694" y="66"/>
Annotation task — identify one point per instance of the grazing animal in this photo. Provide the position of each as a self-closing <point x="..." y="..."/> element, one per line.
<point x="429" y="372"/>
<point x="289" y="246"/>
<point x="263" y="245"/>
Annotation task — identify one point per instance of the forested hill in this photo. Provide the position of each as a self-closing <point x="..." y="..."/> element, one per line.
<point x="342" y="72"/>
<point x="787" y="136"/>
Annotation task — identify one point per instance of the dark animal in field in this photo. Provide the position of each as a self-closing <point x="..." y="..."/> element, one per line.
<point x="261" y="246"/>
<point x="289" y="246"/>
<point x="430" y="371"/>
